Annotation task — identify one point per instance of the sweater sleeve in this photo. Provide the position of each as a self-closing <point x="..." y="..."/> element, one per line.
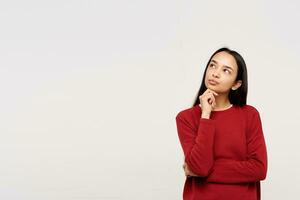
<point x="197" y="144"/>
<point x="254" y="168"/>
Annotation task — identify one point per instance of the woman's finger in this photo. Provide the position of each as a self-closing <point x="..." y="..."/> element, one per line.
<point x="189" y="173"/>
<point x="186" y="173"/>
<point x="213" y="92"/>
<point x="208" y="93"/>
<point x="211" y="98"/>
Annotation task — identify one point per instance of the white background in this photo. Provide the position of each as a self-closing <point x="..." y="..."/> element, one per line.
<point x="90" y="91"/>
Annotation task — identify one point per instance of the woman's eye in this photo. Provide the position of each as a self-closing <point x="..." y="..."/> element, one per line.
<point x="226" y="70"/>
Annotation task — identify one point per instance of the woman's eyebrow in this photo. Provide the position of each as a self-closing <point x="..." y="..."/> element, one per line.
<point x="224" y="65"/>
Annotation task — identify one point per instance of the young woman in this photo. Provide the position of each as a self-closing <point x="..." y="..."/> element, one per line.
<point x="221" y="136"/>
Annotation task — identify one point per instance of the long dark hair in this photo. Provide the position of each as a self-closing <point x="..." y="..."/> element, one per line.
<point x="236" y="97"/>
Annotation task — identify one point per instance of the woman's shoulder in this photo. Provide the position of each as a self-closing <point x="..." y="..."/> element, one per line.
<point x="251" y="111"/>
<point x="187" y="112"/>
<point x="250" y="108"/>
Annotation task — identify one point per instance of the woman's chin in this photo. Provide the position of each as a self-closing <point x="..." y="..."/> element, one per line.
<point x="211" y="87"/>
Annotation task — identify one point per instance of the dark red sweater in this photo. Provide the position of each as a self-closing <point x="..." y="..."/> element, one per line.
<point x="227" y="152"/>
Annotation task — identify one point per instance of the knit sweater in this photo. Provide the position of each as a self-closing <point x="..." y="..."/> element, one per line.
<point x="227" y="152"/>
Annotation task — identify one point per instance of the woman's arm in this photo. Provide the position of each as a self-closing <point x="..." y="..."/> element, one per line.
<point x="250" y="170"/>
<point x="236" y="171"/>
<point x="197" y="144"/>
<point x="187" y="171"/>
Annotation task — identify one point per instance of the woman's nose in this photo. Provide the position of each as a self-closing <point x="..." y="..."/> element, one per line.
<point x="215" y="74"/>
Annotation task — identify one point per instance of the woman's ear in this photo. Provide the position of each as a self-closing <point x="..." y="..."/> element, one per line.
<point x="236" y="85"/>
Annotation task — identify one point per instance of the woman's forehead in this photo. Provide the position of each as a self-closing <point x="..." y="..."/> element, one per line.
<point x="224" y="59"/>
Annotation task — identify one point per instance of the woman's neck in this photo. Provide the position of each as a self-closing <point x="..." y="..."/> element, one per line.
<point x="222" y="102"/>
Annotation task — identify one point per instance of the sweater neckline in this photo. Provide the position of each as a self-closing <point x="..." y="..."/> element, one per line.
<point x="219" y="111"/>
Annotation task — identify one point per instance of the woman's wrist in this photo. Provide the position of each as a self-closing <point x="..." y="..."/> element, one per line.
<point x="205" y="115"/>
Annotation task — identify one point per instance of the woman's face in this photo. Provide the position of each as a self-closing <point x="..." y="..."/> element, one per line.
<point x="221" y="73"/>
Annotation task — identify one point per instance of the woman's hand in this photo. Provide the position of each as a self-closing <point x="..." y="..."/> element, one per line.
<point x="187" y="171"/>
<point x="208" y="102"/>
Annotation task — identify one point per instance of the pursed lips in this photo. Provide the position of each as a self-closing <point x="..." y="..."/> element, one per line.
<point x="212" y="81"/>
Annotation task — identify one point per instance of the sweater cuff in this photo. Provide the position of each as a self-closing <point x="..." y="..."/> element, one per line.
<point x="207" y="121"/>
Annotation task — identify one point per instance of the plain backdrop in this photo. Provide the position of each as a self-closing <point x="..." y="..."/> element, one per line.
<point x="90" y="91"/>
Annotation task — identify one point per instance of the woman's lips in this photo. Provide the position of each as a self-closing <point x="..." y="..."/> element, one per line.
<point x="212" y="82"/>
